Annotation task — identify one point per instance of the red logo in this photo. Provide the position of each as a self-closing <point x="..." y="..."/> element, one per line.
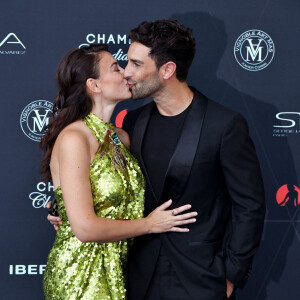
<point x="120" y="117"/>
<point x="288" y="193"/>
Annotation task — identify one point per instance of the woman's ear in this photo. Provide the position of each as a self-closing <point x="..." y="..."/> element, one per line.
<point x="93" y="85"/>
<point x="168" y="70"/>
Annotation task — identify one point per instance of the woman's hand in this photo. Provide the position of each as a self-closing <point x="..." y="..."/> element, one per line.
<point x="162" y="220"/>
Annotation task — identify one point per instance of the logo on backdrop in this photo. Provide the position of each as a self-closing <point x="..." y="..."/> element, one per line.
<point x="26" y="269"/>
<point x="12" y="45"/>
<point x="288" y="194"/>
<point x="286" y="123"/>
<point x="109" y="39"/>
<point x="42" y="195"/>
<point x="254" y="50"/>
<point x="34" y="117"/>
<point x="120" y="118"/>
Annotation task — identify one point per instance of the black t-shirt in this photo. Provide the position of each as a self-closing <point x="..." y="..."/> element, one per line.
<point x="159" y="144"/>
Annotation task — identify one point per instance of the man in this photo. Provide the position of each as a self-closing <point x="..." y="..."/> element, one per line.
<point x="191" y="150"/>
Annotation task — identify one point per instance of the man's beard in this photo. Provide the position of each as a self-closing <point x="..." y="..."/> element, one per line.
<point x="146" y="88"/>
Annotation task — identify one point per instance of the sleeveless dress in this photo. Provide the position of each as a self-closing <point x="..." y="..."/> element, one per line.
<point x="93" y="270"/>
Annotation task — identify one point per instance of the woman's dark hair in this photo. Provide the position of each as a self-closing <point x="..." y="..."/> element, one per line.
<point x="169" y="41"/>
<point x="72" y="102"/>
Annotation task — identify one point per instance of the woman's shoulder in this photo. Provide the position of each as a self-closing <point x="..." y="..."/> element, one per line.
<point x="71" y="145"/>
<point x="73" y="135"/>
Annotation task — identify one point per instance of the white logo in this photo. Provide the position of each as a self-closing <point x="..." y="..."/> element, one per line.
<point x="254" y="50"/>
<point x="26" y="269"/>
<point x="108" y="39"/>
<point x="41" y="197"/>
<point x="290" y="124"/>
<point x="34" y="117"/>
<point x="7" y="45"/>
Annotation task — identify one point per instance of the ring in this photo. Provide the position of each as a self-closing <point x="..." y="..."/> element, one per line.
<point x="173" y="212"/>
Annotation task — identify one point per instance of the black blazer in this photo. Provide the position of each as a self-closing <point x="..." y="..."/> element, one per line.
<point x="216" y="170"/>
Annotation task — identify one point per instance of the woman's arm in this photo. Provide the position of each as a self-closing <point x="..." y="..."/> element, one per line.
<point x="74" y="160"/>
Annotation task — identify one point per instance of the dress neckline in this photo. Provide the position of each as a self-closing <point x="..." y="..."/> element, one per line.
<point x="97" y="126"/>
<point x="99" y="129"/>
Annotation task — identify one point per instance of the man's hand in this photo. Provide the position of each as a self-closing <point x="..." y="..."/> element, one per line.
<point x="55" y="221"/>
<point x="230" y="288"/>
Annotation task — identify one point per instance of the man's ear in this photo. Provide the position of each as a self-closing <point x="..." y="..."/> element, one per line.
<point x="168" y="70"/>
<point x="93" y="85"/>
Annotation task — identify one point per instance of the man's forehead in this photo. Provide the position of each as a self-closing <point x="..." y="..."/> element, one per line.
<point x="138" y="51"/>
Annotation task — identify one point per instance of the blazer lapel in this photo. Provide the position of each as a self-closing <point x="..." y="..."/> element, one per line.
<point x="137" y="140"/>
<point x="182" y="160"/>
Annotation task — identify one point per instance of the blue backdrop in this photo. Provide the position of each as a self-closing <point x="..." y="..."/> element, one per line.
<point x="247" y="59"/>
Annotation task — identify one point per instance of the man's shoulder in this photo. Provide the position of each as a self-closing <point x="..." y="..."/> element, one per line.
<point x="133" y="114"/>
<point x="213" y="106"/>
<point x="219" y="113"/>
<point x="131" y="117"/>
<point x="220" y="109"/>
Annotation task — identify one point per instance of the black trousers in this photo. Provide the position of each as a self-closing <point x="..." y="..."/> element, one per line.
<point x="165" y="284"/>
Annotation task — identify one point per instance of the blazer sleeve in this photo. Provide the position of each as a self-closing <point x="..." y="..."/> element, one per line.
<point x="245" y="187"/>
<point x="128" y="124"/>
<point x="130" y="120"/>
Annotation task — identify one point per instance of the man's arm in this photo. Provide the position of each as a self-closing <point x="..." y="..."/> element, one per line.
<point x="245" y="186"/>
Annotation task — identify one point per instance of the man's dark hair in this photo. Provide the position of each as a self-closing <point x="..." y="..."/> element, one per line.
<point x="168" y="41"/>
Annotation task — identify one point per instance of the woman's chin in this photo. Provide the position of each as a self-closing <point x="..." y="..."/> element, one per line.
<point x="128" y="96"/>
<point x="124" y="98"/>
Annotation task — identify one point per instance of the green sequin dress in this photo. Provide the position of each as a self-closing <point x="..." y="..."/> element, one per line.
<point x="77" y="270"/>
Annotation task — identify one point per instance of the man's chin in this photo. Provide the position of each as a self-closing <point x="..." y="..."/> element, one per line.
<point x="132" y="94"/>
<point x="135" y="98"/>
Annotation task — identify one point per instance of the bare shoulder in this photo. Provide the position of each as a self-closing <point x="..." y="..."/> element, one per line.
<point x="73" y="138"/>
<point x="124" y="137"/>
<point x="71" y="150"/>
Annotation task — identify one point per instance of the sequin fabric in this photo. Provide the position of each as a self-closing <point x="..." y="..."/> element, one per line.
<point x="77" y="270"/>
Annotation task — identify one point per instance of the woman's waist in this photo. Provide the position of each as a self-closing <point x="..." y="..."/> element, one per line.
<point x="66" y="238"/>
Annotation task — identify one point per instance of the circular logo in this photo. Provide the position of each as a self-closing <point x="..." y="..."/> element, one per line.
<point x="254" y="50"/>
<point x="288" y="193"/>
<point x="34" y="117"/>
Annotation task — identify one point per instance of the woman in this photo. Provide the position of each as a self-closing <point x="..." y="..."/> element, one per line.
<point x="99" y="187"/>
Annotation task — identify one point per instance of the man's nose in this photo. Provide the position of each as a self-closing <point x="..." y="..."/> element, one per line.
<point x="126" y="72"/>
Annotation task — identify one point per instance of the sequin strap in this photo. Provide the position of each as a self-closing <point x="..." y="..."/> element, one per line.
<point x="108" y="140"/>
<point x="98" y="126"/>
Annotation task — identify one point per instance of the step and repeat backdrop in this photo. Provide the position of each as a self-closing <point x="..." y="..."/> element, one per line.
<point x="247" y="59"/>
